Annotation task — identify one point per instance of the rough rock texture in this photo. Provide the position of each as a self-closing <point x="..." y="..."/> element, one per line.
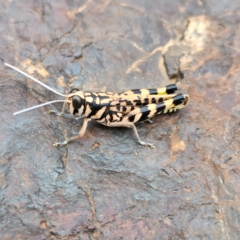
<point x="188" y="187"/>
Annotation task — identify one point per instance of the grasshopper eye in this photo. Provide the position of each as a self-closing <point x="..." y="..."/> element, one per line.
<point x="76" y="102"/>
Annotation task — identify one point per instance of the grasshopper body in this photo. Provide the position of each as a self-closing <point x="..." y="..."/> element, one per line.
<point x="124" y="109"/>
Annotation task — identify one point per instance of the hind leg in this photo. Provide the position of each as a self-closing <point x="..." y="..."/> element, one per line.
<point x="130" y="125"/>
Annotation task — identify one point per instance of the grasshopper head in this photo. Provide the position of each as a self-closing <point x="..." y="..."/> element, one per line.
<point x="76" y="106"/>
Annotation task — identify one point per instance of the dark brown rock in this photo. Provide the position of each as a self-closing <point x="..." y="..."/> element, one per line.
<point x="112" y="188"/>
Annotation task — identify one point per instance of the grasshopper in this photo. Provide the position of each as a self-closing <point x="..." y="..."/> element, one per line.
<point x="115" y="109"/>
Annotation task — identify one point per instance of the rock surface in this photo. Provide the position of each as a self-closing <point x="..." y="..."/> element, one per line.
<point x="188" y="187"/>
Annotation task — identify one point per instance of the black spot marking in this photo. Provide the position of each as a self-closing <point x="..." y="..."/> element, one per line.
<point x="111" y="115"/>
<point x="136" y="91"/>
<point x="145" y="112"/>
<point x="137" y="102"/>
<point x="118" y="107"/>
<point x="154" y="100"/>
<point x="146" y="101"/>
<point x="179" y="99"/>
<point x="172" y="88"/>
<point x="160" y="107"/>
<point x="131" y="118"/>
<point x="124" y="108"/>
<point x="153" y="91"/>
<point x="128" y="102"/>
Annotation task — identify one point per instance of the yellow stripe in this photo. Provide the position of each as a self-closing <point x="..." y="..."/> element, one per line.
<point x="161" y="91"/>
<point x="144" y="91"/>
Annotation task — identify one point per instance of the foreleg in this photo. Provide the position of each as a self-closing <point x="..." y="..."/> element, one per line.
<point x="80" y="134"/>
<point x="59" y="113"/>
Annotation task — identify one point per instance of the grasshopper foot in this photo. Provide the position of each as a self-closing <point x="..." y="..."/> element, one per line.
<point x="64" y="143"/>
<point x="149" y="120"/>
<point x="60" y="114"/>
<point x="146" y="144"/>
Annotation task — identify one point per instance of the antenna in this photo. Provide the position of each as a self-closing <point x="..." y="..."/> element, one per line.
<point x="38" y="106"/>
<point x="34" y="79"/>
